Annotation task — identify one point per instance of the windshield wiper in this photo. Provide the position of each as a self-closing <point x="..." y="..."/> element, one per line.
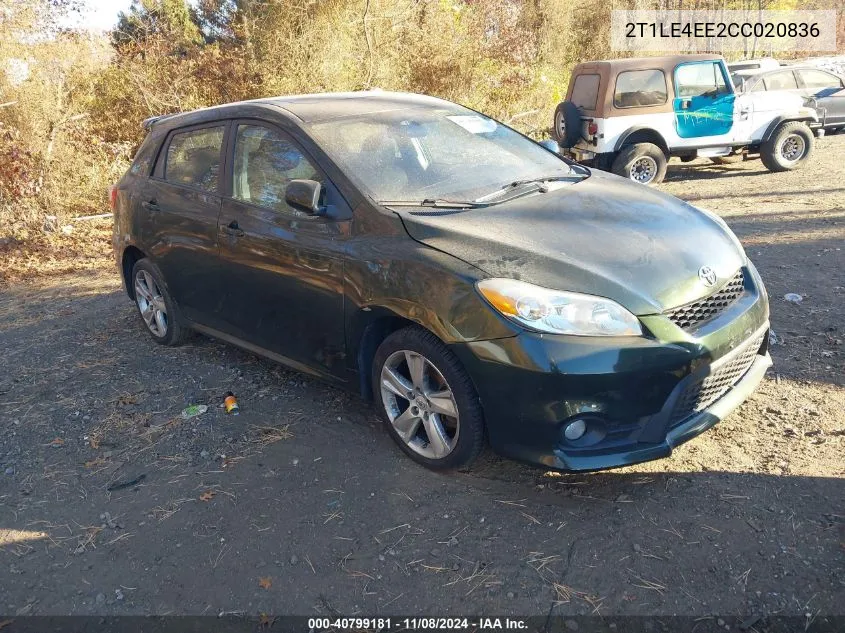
<point x="516" y="184"/>
<point x="437" y="203"/>
<point x="539" y="182"/>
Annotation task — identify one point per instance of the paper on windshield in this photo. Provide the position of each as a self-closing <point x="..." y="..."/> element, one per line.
<point x="473" y="123"/>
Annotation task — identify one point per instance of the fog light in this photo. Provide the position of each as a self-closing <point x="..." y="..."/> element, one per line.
<point x="575" y="430"/>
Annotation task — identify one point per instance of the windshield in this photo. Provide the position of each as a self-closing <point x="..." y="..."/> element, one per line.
<point x="421" y="154"/>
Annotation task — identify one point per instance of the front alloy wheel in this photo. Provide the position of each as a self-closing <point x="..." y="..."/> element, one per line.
<point x="428" y="402"/>
<point x="792" y="148"/>
<point x="420" y="404"/>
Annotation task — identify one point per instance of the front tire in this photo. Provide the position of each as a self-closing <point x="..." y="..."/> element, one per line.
<point x="156" y="308"/>
<point x="644" y="163"/>
<point x="788" y="148"/>
<point x="427" y="400"/>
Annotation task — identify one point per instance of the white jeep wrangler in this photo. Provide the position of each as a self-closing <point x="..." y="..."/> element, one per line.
<point x="629" y="116"/>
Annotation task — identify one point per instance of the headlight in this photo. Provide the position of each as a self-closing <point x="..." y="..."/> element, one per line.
<point x="558" y="312"/>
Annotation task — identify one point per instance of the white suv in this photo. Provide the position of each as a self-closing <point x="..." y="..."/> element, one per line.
<point x="630" y="116"/>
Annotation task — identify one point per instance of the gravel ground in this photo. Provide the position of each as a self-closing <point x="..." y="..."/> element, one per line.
<point x="111" y="503"/>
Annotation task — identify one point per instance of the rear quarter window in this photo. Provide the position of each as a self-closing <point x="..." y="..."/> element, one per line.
<point x="638" y="88"/>
<point x="143" y="159"/>
<point x="585" y="91"/>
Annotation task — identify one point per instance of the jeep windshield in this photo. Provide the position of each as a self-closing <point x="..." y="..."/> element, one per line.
<point x="422" y="155"/>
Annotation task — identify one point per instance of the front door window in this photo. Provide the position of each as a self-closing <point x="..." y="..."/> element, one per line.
<point x="265" y="162"/>
<point x="703" y="101"/>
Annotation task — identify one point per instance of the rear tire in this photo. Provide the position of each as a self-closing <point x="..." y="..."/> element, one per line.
<point x="644" y="163"/>
<point x="438" y="400"/>
<point x="156" y="308"/>
<point x="788" y="148"/>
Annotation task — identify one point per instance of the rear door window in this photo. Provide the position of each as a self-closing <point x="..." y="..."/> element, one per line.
<point x="782" y="80"/>
<point x="585" y="91"/>
<point x="636" y="88"/>
<point x="193" y="158"/>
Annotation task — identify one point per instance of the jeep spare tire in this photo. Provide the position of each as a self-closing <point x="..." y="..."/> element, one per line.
<point x="567" y="124"/>
<point x="788" y="147"/>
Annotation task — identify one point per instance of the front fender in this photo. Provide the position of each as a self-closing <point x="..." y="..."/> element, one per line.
<point x="804" y="114"/>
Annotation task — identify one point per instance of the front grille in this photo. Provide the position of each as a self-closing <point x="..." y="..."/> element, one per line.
<point x="700" y="394"/>
<point x="691" y="315"/>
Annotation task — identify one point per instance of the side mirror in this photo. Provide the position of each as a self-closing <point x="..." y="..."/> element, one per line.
<point x="304" y="195"/>
<point x="551" y="145"/>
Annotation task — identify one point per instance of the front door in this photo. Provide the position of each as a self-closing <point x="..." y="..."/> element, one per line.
<point x="704" y="101"/>
<point x="180" y="204"/>
<point x="828" y="93"/>
<point x="282" y="287"/>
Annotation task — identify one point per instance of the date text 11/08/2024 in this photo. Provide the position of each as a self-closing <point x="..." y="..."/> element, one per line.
<point x="417" y="624"/>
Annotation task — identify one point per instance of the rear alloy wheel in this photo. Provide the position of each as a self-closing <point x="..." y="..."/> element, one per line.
<point x="155" y="307"/>
<point x="644" y="163"/>
<point x="789" y="147"/>
<point x="427" y="400"/>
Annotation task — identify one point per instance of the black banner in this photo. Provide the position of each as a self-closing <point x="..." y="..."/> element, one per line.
<point x="386" y="624"/>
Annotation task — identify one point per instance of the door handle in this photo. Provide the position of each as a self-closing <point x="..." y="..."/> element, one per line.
<point x="233" y="229"/>
<point x="151" y="205"/>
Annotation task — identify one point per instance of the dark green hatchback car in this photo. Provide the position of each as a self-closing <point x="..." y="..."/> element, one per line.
<point x="471" y="282"/>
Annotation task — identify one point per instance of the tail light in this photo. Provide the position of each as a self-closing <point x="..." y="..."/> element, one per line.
<point x="113" y="197"/>
<point x="592" y="128"/>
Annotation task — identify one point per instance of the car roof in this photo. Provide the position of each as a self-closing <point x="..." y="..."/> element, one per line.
<point x="630" y="63"/>
<point x="760" y="73"/>
<point x="312" y="108"/>
<point x="756" y="60"/>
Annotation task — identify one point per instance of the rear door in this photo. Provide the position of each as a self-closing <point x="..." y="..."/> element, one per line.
<point x="827" y="90"/>
<point x="703" y="103"/>
<point x="182" y="203"/>
<point x="283" y="268"/>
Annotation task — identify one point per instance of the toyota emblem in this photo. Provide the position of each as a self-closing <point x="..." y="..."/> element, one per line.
<point x="707" y="276"/>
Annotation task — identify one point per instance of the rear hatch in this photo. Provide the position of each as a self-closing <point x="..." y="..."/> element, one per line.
<point x="586" y="91"/>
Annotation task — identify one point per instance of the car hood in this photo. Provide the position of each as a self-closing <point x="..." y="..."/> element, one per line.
<point x="601" y="236"/>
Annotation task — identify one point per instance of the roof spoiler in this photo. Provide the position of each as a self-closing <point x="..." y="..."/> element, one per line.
<point x="147" y="124"/>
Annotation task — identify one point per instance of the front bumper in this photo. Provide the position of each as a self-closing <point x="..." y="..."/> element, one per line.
<point x="640" y="396"/>
<point x="673" y="435"/>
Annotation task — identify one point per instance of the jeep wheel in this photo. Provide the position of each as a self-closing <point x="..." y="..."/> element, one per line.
<point x="789" y="146"/>
<point x="644" y="163"/>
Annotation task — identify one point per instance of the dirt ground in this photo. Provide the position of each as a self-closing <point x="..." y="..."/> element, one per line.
<point x="110" y="503"/>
